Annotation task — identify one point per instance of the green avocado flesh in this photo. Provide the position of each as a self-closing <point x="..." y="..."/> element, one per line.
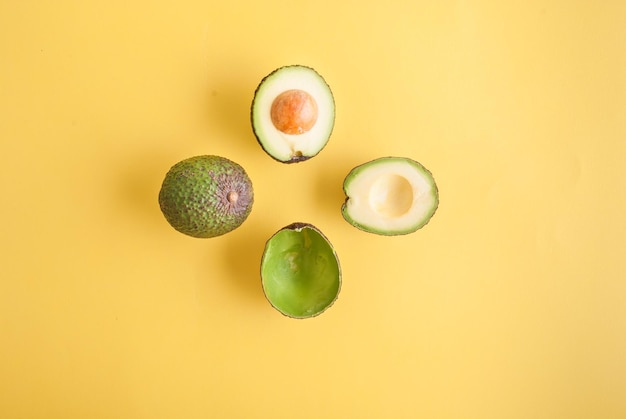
<point x="206" y="196"/>
<point x="390" y="196"/>
<point x="300" y="271"/>
<point x="293" y="113"/>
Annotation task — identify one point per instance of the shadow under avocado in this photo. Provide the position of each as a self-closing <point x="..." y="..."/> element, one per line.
<point x="228" y="100"/>
<point x="137" y="186"/>
<point x="328" y="187"/>
<point x="242" y="252"/>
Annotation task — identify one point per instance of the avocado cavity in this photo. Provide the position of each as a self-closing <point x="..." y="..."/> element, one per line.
<point x="300" y="271"/>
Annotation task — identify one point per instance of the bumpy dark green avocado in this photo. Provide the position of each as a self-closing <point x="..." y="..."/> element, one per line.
<point x="206" y="196"/>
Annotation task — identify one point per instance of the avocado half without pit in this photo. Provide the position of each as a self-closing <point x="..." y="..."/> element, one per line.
<point x="390" y="196"/>
<point x="293" y="113"/>
<point x="300" y="271"/>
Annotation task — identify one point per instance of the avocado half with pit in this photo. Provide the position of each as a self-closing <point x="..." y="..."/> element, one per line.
<point x="293" y="113"/>
<point x="390" y="196"/>
<point x="300" y="271"/>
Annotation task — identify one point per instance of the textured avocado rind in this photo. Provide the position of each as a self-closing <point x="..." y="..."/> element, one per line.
<point x="195" y="200"/>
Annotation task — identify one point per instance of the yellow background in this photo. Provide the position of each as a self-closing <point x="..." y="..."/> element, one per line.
<point x="511" y="303"/>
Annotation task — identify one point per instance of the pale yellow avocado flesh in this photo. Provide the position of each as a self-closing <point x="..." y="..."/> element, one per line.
<point x="390" y="196"/>
<point x="284" y="147"/>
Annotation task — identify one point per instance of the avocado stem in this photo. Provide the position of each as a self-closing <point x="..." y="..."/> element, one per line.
<point x="232" y="197"/>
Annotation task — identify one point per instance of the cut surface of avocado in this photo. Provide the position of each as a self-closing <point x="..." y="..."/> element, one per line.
<point x="293" y="113"/>
<point x="300" y="271"/>
<point x="390" y="196"/>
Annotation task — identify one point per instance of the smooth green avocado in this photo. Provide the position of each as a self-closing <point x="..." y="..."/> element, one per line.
<point x="300" y="271"/>
<point x="206" y="196"/>
<point x="293" y="113"/>
<point x="390" y="196"/>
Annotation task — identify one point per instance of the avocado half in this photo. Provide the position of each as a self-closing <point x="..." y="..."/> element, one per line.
<point x="293" y="113"/>
<point x="390" y="196"/>
<point x="300" y="271"/>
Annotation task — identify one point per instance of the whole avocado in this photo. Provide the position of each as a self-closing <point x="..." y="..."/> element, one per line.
<point x="206" y="196"/>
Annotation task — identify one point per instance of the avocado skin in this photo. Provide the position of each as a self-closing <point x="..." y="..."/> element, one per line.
<point x="299" y="226"/>
<point x="194" y="196"/>
<point x="296" y="159"/>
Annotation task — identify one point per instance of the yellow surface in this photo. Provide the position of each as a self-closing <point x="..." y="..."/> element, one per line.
<point x="511" y="303"/>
